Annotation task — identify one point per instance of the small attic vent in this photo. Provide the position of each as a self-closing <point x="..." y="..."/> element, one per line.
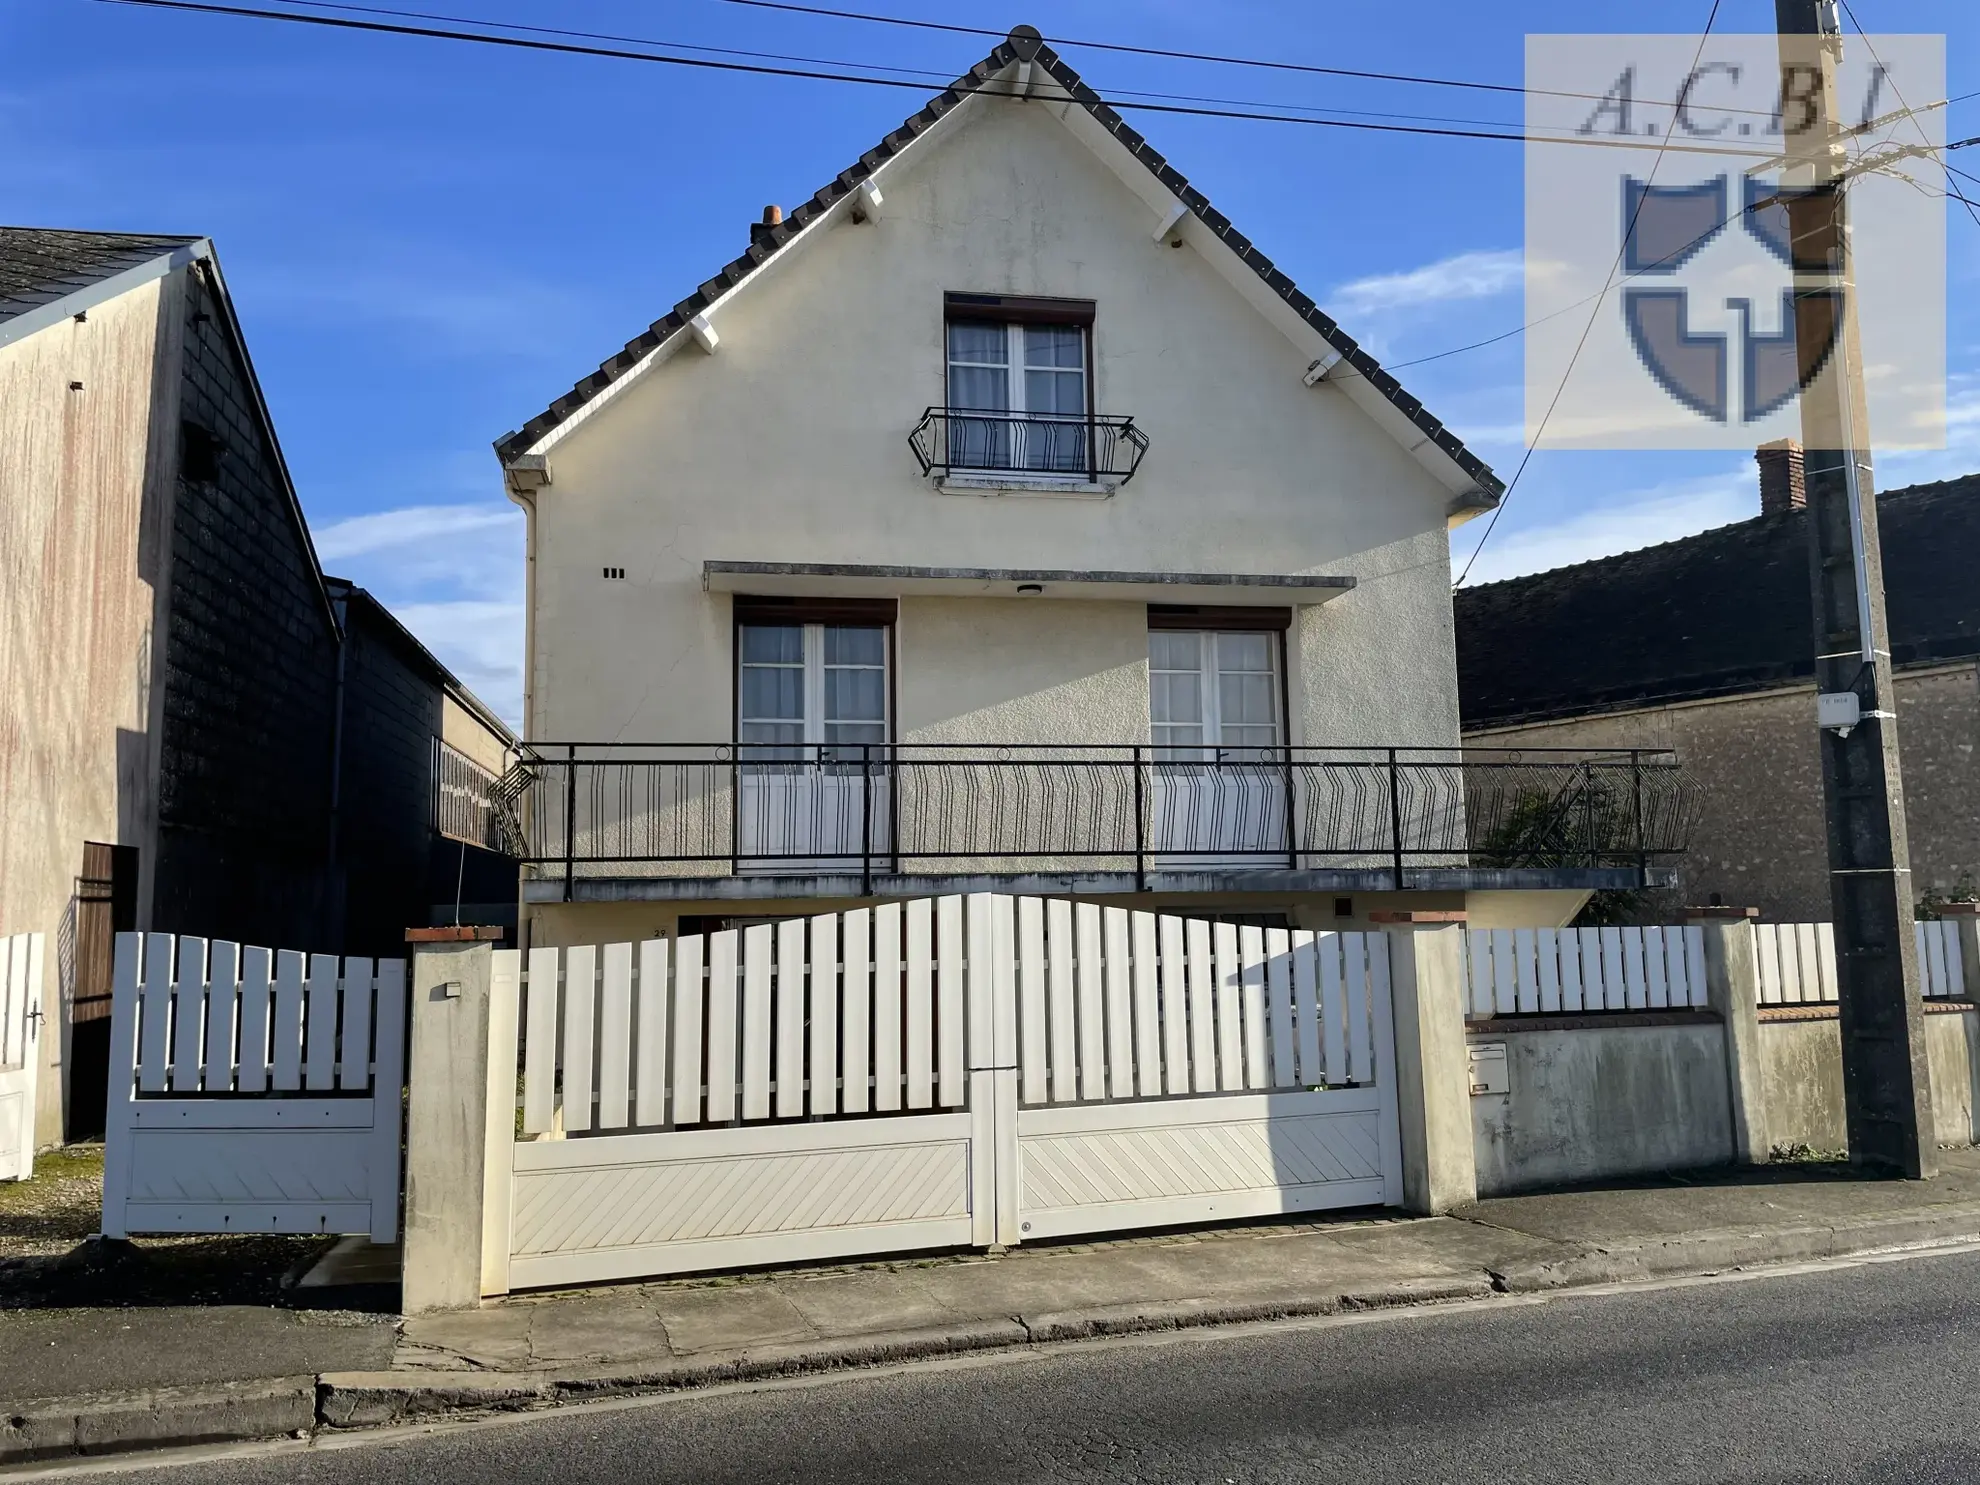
<point x="615" y="574"/>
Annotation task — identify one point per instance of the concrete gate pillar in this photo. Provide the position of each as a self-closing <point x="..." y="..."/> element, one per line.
<point x="1732" y="987"/>
<point x="448" y="1116"/>
<point x="1433" y="1074"/>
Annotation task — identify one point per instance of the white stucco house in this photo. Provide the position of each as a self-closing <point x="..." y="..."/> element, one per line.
<point x="1002" y="516"/>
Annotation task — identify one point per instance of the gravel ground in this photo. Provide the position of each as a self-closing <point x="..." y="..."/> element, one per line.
<point x="47" y="1262"/>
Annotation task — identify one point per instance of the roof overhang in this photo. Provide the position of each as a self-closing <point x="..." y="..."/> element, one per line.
<point x="102" y="291"/>
<point x="861" y="580"/>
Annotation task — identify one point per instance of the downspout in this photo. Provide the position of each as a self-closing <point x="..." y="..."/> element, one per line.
<point x="339" y="608"/>
<point x="522" y="477"/>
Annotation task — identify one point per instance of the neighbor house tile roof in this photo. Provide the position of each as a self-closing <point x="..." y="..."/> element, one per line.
<point x="1714" y="614"/>
<point x="1023" y="45"/>
<point x="39" y="265"/>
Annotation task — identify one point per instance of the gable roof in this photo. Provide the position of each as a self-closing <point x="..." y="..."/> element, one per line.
<point x="43" y="268"/>
<point x="343" y="590"/>
<point x="1714" y="614"/>
<point x="1023" y="46"/>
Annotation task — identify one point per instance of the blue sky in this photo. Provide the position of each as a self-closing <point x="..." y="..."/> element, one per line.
<point x="428" y="241"/>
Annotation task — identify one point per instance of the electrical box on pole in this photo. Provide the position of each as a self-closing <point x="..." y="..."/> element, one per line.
<point x="1886" y="1084"/>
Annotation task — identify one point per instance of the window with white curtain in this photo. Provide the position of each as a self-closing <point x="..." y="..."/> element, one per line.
<point x="1213" y="695"/>
<point x="1028" y="382"/>
<point x="819" y="684"/>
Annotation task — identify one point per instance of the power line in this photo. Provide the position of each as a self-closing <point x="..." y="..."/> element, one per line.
<point x="937" y="78"/>
<point x="1212" y="57"/>
<point x="523" y="43"/>
<point x="1871" y="47"/>
<point x="1540" y="430"/>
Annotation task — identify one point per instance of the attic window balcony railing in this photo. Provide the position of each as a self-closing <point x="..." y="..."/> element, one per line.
<point x="630" y="810"/>
<point x="950" y="441"/>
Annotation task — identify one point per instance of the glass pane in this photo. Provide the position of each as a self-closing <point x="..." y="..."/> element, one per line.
<point x="1174" y="700"/>
<point x="855" y="732"/>
<point x="773" y="644"/>
<point x="1057" y="392"/>
<point x="768" y="742"/>
<point x="983" y="341"/>
<point x="1245" y="700"/>
<point x="855" y="695"/>
<point x="979" y="388"/>
<point x="845" y="645"/>
<point x="771" y="693"/>
<point x="1054" y="345"/>
<point x="1244" y="652"/>
<point x="1171" y="650"/>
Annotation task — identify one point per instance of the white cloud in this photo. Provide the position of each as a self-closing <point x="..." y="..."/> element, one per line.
<point x="480" y="642"/>
<point x="1477" y="275"/>
<point x="1625" y="522"/>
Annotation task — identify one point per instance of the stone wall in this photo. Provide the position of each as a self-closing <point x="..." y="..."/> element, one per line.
<point x="1755" y="774"/>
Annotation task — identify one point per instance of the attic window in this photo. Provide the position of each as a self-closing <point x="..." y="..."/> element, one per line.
<point x="199" y="453"/>
<point x="1018" y="388"/>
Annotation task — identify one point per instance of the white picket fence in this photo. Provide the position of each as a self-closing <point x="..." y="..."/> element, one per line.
<point x="252" y="1090"/>
<point x="22" y="964"/>
<point x="1797" y="962"/>
<point x="1551" y="971"/>
<point x="941" y="1072"/>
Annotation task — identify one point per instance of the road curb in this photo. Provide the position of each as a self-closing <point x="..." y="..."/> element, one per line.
<point x="53" y="1429"/>
<point x="1710" y="1252"/>
<point x="155" y="1418"/>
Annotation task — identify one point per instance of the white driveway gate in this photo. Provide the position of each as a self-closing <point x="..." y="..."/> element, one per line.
<point x="20" y="1051"/>
<point x="252" y="1091"/>
<point x="937" y="1073"/>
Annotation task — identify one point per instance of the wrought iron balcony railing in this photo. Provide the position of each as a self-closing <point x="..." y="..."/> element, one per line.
<point x="949" y="440"/>
<point x="657" y="810"/>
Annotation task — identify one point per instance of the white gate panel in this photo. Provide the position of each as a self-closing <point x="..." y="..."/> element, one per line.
<point x="21" y="967"/>
<point x="1102" y="1167"/>
<point x="646" y="1204"/>
<point x="224" y="1117"/>
<point x="937" y="1016"/>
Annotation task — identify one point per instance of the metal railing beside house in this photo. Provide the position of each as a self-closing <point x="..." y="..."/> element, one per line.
<point x="463" y="797"/>
<point x="1048" y="445"/>
<point x="643" y="810"/>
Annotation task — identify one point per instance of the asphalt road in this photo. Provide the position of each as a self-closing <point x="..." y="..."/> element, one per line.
<point x="1859" y="1374"/>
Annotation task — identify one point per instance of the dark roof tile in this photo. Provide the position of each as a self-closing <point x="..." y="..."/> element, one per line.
<point x="39" y="265"/>
<point x="1714" y="614"/>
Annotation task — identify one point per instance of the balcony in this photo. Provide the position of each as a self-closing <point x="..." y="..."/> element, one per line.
<point x="619" y="822"/>
<point x="1044" y="447"/>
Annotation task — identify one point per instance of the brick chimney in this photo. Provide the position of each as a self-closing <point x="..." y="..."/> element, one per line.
<point x="1781" y="487"/>
<point x="760" y="231"/>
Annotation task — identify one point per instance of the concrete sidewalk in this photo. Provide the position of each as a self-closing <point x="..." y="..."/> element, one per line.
<point x="542" y="1350"/>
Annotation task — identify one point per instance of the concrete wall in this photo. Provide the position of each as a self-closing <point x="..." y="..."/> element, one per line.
<point x="1801" y="1072"/>
<point x="1598" y="1102"/>
<point x="789" y="444"/>
<point x="85" y="516"/>
<point x="1756" y="775"/>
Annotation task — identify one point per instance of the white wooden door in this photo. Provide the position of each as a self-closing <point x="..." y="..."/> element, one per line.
<point x="811" y="725"/>
<point x="20" y="1051"/>
<point x="1218" y="790"/>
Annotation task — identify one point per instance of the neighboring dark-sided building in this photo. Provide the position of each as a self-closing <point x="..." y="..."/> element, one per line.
<point x="196" y="730"/>
<point x="1706" y="645"/>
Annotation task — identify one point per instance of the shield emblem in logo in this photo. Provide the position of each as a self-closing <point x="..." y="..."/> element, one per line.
<point x="1665" y="228"/>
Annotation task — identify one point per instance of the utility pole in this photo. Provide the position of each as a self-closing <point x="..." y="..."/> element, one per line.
<point x="1886" y="1084"/>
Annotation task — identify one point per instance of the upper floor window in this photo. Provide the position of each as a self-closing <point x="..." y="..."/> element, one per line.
<point x="1018" y="394"/>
